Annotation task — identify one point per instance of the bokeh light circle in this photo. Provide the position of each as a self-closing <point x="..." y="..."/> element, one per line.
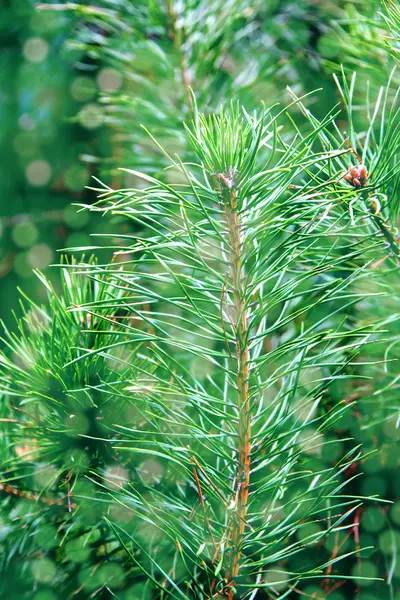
<point x="91" y="116"/>
<point x="40" y="256"/>
<point x="38" y="173"/>
<point x="109" y="80"/>
<point x="35" y="49"/>
<point x="83" y="88"/>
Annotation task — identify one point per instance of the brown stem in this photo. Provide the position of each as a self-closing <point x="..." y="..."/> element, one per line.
<point x="13" y="491"/>
<point x="238" y="522"/>
<point x="203" y="505"/>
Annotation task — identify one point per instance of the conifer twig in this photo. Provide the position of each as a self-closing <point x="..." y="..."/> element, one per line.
<point x="242" y="354"/>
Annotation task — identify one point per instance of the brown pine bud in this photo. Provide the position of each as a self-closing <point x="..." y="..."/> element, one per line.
<point x="357" y="176"/>
<point x="362" y="172"/>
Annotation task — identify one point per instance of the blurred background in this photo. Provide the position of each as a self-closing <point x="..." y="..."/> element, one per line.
<point x="76" y="84"/>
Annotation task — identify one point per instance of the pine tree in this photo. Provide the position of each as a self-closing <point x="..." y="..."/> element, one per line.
<point x="180" y="420"/>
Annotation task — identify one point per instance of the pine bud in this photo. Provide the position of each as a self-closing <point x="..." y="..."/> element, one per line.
<point x="363" y="173"/>
<point x="228" y="178"/>
<point x="357" y="176"/>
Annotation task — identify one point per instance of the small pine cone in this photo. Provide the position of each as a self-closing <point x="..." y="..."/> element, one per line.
<point x="354" y="172"/>
<point x="357" y="176"/>
<point x="362" y="172"/>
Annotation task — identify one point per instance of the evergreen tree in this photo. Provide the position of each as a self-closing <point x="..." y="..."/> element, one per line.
<point x="190" y="416"/>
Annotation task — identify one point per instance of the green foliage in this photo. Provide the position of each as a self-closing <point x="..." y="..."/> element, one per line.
<point x="191" y="414"/>
<point x="392" y="18"/>
<point x="56" y="448"/>
<point x="241" y="254"/>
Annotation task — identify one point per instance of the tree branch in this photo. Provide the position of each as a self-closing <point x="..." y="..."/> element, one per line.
<point x="238" y="522"/>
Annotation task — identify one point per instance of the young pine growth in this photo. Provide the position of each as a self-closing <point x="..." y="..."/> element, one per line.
<point x="56" y="413"/>
<point x="236" y="283"/>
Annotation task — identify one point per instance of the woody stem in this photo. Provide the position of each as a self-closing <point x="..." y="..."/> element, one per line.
<point x="238" y="520"/>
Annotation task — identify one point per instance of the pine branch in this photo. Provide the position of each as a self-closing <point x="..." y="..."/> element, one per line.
<point x="241" y="328"/>
<point x="266" y="266"/>
<point x="375" y="178"/>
